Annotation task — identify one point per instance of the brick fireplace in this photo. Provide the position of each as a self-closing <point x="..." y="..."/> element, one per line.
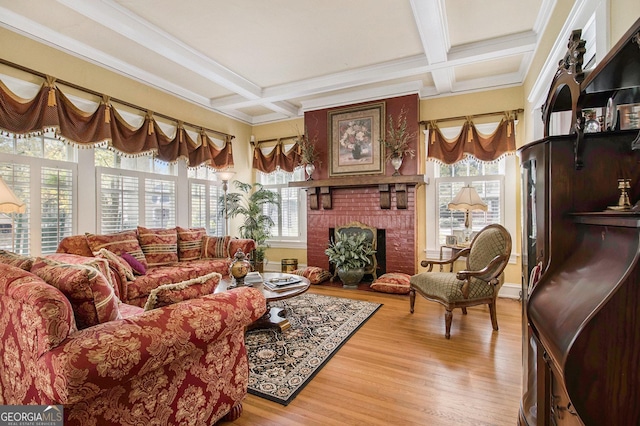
<point x="363" y="204"/>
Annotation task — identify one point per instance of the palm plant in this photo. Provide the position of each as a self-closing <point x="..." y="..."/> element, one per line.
<point x="252" y="203"/>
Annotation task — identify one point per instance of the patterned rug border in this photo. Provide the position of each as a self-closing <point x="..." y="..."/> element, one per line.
<point x="368" y="309"/>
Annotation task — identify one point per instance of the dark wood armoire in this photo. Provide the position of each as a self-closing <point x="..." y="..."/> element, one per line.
<point x="581" y="246"/>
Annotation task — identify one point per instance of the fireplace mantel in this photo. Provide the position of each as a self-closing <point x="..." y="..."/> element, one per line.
<point x="323" y="188"/>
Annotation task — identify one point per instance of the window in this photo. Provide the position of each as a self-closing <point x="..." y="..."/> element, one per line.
<point x="41" y="170"/>
<point x="486" y="178"/>
<point x="134" y="191"/>
<point x="292" y="212"/>
<point x="204" y="192"/>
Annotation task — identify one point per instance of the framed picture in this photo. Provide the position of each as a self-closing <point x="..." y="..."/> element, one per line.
<point x="452" y="240"/>
<point x="354" y="140"/>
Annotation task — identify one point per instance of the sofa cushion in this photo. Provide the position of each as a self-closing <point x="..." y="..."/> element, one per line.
<point x="75" y="244"/>
<point x="102" y="265"/>
<point x="138" y="290"/>
<point x="120" y="242"/>
<point x="314" y="274"/>
<point x="190" y="243"/>
<point x="392" y="282"/>
<point x="118" y="263"/>
<point x="160" y="246"/>
<point x="14" y="259"/>
<point x="168" y="294"/>
<point x="91" y="296"/>
<point x="215" y="247"/>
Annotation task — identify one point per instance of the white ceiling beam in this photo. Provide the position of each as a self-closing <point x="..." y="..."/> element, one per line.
<point x="117" y="18"/>
<point x="431" y="23"/>
<point x="495" y="48"/>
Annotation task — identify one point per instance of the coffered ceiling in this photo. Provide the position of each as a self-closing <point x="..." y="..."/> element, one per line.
<point x="262" y="61"/>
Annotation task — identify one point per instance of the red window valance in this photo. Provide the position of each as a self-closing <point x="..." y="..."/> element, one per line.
<point x="471" y="142"/>
<point x="277" y="158"/>
<point x="50" y="109"/>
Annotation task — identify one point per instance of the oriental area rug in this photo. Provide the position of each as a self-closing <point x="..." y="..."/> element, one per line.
<point x="282" y="363"/>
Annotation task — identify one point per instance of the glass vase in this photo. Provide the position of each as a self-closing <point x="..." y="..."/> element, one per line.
<point x="309" y="168"/>
<point x="396" y="162"/>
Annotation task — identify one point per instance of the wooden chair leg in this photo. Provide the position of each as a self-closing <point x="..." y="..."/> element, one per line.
<point x="464" y="311"/>
<point x="234" y="414"/>
<point x="412" y="299"/>
<point x="494" y="316"/>
<point x="448" y="317"/>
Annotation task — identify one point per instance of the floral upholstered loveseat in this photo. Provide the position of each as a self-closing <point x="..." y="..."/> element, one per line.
<point x="164" y="257"/>
<point x="67" y="340"/>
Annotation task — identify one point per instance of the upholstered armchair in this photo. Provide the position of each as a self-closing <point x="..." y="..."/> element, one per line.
<point x="477" y="284"/>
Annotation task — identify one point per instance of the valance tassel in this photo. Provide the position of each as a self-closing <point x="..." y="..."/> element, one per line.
<point x="51" y="98"/>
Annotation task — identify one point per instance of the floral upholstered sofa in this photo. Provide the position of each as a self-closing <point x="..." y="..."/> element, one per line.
<point x="156" y="257"/>
<point x="66" y="339"/>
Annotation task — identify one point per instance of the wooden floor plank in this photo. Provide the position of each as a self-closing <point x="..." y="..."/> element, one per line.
<point x="399" y="369"/>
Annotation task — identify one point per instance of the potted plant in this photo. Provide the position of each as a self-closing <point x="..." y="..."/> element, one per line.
<point x="252" y="203"/>
<point x="398" y="141"/>
<point x="350" y="253"/>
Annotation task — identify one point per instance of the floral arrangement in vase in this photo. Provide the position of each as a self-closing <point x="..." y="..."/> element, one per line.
<point x="398" y="140"/>
<point x="355" y="137"/>
<point x="308" y="153"/>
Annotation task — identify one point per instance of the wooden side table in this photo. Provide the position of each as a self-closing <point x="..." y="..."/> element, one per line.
<point x="455" y="249"/>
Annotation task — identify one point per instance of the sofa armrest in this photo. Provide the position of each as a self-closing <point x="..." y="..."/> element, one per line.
<point x="106" y="355"/>
<point x="245" y="244"/>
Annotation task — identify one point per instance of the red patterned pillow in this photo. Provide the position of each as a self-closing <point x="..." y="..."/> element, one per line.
<point x="314" y="274"/>
<point x="392" y="282"/>
<point x="168" y="294"/>
<point x="14" y="259"/>
<point x="120" y="242"/>
<point x="101" y="264"/>
<point x="190" y="243"/>
<point x="215" y="247"/>
<point x="160" y="246"/>
<point x="91" y="297"/>
<point x="118" y="263"/>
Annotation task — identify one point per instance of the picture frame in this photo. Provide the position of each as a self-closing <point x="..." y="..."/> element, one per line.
<point x="451" y="240"/>
<point x="354" y="140"/>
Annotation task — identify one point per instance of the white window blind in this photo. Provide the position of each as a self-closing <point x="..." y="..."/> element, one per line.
<point x="119" y="203"/>
<point x="56" y="200"/>
<point x="15" y="228"/>
<point x="160" y="203"/>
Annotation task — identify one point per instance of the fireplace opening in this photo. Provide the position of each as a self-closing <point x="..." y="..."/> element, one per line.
<point x="380" y="255"/>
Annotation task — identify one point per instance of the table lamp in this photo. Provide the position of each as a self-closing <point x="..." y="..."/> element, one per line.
<point x="467" y="200"/>
<point x="9" y="203"/>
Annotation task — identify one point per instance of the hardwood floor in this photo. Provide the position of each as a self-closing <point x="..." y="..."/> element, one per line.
<point x="399" y="369"/>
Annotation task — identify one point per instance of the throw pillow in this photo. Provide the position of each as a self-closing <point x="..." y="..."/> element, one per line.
<point x="392" y="282"/>
<point x="119" y="264"/>
<point x="160" y="246"/>
<point x="120" y="242"/>
<point x="101" y="264"/>
<point x="190" y="243"/>
<point x="92" y="298"/>
<point x="215" y="247"/>
<point x="14" y="259"/>
<point x="138" y="267"/>
<point x="168" y="294"/>
<point x="314" y="274"/>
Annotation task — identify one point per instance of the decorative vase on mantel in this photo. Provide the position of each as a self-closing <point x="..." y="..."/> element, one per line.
<point x="309" y="168"/>
<point x="350" y="277"/>
<point x="396" y="162"/>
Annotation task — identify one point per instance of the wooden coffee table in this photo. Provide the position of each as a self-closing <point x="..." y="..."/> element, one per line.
<point x="274" y="317"/>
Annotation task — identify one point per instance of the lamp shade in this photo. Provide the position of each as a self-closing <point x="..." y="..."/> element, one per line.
<point x="467" y="199"/>
<point x="225" y="175"/>
<point x="9" y="203"/>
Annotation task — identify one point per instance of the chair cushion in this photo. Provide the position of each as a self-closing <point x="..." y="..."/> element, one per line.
<point x="215" y="247"/>
<point x="446" y="287"/>
<point x="168" y="294"/>
<point x="314" y="274"/>
<point x="160" y="246"/>
<point x="190" y="243"/>
<point x="91" y="296"/>
<point x="14" y="259"/>
<point x="392" y="282"/>
<point x="120" y="242"/>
